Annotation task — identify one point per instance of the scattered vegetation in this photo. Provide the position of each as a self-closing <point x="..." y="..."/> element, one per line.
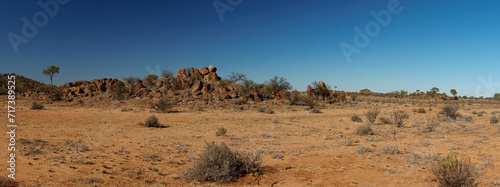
<point x="364" y="130"/>
<point x="390" y="149"/>
<point x="221" y="131"/>
<point x="451" y="171"/>
<point x="265" y="110"/>
<point x="451" y="111"/>
<point x="163" y="105"/>
<point x="493" y="120"/>
<point x="399" y="118"/>
<point x="372" y="114"/>
<point x="36" y="106"/>
<point x="217" y="163"/>
<point x="356" y="118"/>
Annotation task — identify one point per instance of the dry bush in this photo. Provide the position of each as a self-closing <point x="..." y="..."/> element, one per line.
<point x="221" y="131"/>
<point x="469" y="119"/>
<point x="372" y="114"/>
<point x="364" y="130"/>
<point x="218" y="163"/>
<point x="265" y="110"/>
<point x="36" y="106"/>
<point x="385" y="120"/>
<point x="451" y="111"/>
<point x="361" y="149"/>
<point x="151" y="121"/>
<point x="315" y="110"/>
<point x="421" y="110"/>
<point x="390" y="149"/>
<point x="432" y="124"/>
<point x="151" y="157"/>
<point x="399" y="118"/>
<point x="451" y="171"/>
<point x="163" y="105"/>
<point x="493" y="120"/>
<point x="356" y="118"/>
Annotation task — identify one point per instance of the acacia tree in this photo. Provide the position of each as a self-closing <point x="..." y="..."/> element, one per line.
<point x="435" y="89"/>
<point x="51" y="71"/>
<point x="453" y="92"/>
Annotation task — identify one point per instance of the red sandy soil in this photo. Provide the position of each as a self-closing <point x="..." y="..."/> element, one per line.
<point x="68" y="144"/>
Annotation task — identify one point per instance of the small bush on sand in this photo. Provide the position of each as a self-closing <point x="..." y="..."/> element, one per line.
<point x="217" y="163"/>
<point x="493" y="120"/>
<point x="399" y="118"/>
<point x="151" y="121"/>
<point x="432" y="124"/>
<point x="390" y="149"/>
<point x="265" y="110"/>
<point x="315" y="110"/>
<point x="385" y="120"/>
<point x="221" y="131"/>
<point x="451" y="111"/>
<point x="421" y="110"/>
<point x="372" y="114"/>
<point x="364" y="130"/>
<point x="356" y="118"/>
<point x="451" y="171"/>
<point x="36" y="106"/>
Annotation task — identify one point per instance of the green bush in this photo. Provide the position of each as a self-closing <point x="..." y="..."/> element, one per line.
<point x="217" y="163"/>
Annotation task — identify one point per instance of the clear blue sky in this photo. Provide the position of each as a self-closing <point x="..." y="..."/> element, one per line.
<point x="447" y="44"/>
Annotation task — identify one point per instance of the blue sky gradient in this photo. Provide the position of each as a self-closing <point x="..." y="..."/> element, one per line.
<point x="447" y="44"/>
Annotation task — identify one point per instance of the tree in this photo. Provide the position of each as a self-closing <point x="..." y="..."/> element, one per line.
<point x="237" y="77"/>
<point x="149" y="80"/>
<point x="435" y="89"/>
<point x="453" y="92"/>
<point x="167" y="74"/>
<point x="365" y="90"/>
<point x="279" y="83"/>
<point x="51" y="71"/>
<point x="497" y="96"/>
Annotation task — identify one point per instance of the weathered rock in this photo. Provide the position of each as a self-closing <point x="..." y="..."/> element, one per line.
<point x="225" y="95"/>
<point x="322" y="85"/>
<point x="309" y="89"/>
<point x="142" y="92"/>
<point x="204" y="71"/>
<point x="281" y="96"/>
<point x="101" y="86"/>
<point x="197" y="86"/>
<point x="164" y="89"/>
<point x="212" y="68"/>
<point x="211" y="77"/>
<point x="195" y="74"/>
<point x="181" y="73"/>
<point x="233" y="94"/>
<point x="161" y="82"/>
<point x="205" y="89"/>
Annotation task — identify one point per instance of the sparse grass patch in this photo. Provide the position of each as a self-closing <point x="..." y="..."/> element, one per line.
<point x="217" y="163"/>
<point x="364" y="130"/>
<point x="451" y="111"/>
<point x="315" y="110"/>
<point x="36" y="106"/>
<point x="221" y="131"/>
<point x="163" y="105"/>
<point x="469" y="119"/>
<point x="361" y="149"/>
<point x="151" y="157"/>
<point x="390" y="149"/>
<point x="372" y="114"/>
<point x="265" y="110"/>
<point x="385" y="120"/>
<point x="451" y="171"/>
<point x="356" y="118"/>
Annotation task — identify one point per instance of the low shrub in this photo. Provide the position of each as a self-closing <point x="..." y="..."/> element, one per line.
<point x="217" y="163"/>
<point x="399" y="118"/>
<point x="356" y="118"/>
<point x="372" y="114"/>
<point x="493" y="120"/>
<point x="151" y="121"/>
<point x="451" y="111"/>
<point x="364" y="130"/>
<point x="221" y="131"/>
<point x="36" y="106"/>
<point x="451" y="171"/>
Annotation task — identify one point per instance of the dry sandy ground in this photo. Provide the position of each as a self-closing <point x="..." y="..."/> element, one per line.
<point x="101" y="145"/>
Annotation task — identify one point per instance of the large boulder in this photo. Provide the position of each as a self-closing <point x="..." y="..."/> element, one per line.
<point x="142" y="92"/>
<point x="212" y="69"/>
<point x="181" y="73"/>
<point x="205" y="89"/>
<point x="204" y="71"/>
<point x="134" y="88"/>
<point x="195" y="74"/>
<point x="322" y="85"/>
<point x="211" y="77"/>
<point x="197" y="86"/>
